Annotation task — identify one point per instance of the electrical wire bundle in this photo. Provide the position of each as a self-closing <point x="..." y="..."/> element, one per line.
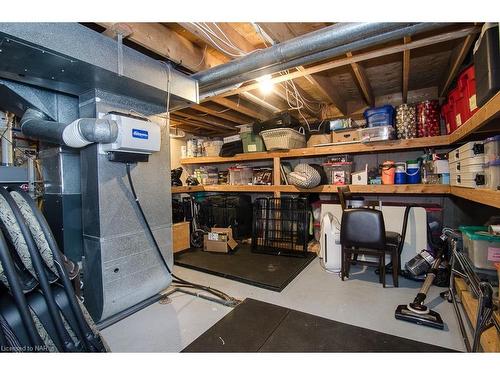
<point x="39" y="311"/>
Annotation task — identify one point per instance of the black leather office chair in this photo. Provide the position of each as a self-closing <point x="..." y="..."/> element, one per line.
<point x="363" y="232"/>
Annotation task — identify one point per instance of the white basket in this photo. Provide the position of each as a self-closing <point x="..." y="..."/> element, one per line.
<point x="283" y="139"/>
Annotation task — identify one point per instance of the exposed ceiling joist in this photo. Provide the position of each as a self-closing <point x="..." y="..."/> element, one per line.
<point x="406" y="69"/>
<point x="452" y="35"/>
<point x="255" y="99"/>
<point x="216" y="122"/>
<point x="224" y="114"/>
<point x="280" y="32"/>
<point x="239" y="107"/>
<point x="456" y="62"/>
<point x="169" y="44"/>
<point x="363" y="82"/>
<point x="190" y="121"/>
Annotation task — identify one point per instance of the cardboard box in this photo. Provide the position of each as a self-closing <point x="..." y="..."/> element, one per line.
<point x="347" y="135"/>
<point x="219" y="240"/>
<point x="180" y="236"/>
<point x="318" y="139"/>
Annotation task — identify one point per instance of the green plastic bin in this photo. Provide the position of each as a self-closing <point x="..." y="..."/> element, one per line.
<point x="252" y="142"/>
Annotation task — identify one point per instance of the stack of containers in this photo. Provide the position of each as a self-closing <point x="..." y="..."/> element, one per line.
<point x="467" y="84"/>
<point x="406" y="121"/>
<point x="492" y="162"/>
<point x="380" y="121"/>
<point x="428" y="123"/>
<point x="251" y="142"/>
<point x="466" y="165"/>
<point x="448" y="115"/>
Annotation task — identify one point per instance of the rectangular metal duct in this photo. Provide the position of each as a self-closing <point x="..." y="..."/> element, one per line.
<point x="71" y="58"/>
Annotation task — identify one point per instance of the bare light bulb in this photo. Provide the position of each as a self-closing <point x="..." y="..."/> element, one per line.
<point x="265" y="84"/>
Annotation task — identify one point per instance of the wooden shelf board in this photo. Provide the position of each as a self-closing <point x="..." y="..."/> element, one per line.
<point x="374" y="189"/>
<point x="490" y="338"/>
<point x="486" y="113"/>
<point x="359" y="189"/>
<point x="396" y="145"/>
<point x="484" y="196"/>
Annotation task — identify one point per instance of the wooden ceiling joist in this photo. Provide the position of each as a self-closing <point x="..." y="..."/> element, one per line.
<point x="194" y="123"/>
<point x="238" y="107"/>
<point x="169" y="44"/>
<point x="363" y="82"/>
<point x="456" y="62"/>
<point x="216" y="122"/>
<point x="259" y="101"/>
<point x="222" y="114"/>
<point x="452" y="35"/>
<point x="280" y="32"/>
<point x="406" y="69"/>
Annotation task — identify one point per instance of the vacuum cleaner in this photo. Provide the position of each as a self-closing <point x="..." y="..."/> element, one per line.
<point x="417" y="312"/>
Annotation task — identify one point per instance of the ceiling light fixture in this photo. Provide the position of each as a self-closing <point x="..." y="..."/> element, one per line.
<point x="265" y="84"/>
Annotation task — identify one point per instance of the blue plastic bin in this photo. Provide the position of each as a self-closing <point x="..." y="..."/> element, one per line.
<point x="379" y="116"/>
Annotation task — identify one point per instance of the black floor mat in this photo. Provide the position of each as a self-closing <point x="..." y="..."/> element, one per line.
<point x="272" y="272"/>
<point x="255" y="326"/>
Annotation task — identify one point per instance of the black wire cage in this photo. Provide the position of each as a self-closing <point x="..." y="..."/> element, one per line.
<point x="280" y="226"/>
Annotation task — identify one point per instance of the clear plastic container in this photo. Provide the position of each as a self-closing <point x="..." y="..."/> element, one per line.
<point x="378" y="133"/>
<point x="492" y="174"/>
<point x="492" y="148"/>
<point x="406" y="121"/>
<point x="240" y="175"/>
<point x="212" y="148"/>
<point x="338" y="173"/>
<point x="482" y="248"/>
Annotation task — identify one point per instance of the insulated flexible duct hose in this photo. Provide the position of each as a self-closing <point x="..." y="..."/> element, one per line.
<point x="79" y="133"/>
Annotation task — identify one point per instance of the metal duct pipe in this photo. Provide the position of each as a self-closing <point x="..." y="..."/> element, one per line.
<point x="323" y="55"/>
<point x="77" y="134"/>
<point x="316" y="41"/>
<point x="6" y="135"/>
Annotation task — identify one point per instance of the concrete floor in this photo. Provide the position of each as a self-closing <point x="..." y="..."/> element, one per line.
<point x="360" y="301"/>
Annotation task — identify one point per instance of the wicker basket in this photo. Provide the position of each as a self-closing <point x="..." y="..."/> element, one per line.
<point x="283" y="139"/>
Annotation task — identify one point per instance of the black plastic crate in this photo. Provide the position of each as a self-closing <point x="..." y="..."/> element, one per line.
<point x="280" y="226"/>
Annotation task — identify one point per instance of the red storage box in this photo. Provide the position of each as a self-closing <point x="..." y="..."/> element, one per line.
<point x="467" y="84"/>
<point x="448" y="115"/>
<point x="460" y="106"/>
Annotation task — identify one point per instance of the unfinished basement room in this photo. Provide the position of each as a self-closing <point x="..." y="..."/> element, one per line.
<point x="227" y="178"/>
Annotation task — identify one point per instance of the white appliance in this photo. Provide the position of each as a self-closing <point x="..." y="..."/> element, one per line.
<point x="330" y="250"/>
<point x="416" y="231"/>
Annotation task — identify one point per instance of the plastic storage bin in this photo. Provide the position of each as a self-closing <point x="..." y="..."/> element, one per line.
<point x="251" y="142"/>
<point x="413" y="175"/>
<point x="467" y="84"/>
<point x="492" y="174"/>
<point x="428" y="124"/>
<point x="283" y="139"/>
<point x="487" y="63"/>
<point x="406" y="121"/>
<point x="448" y="115"/>
<point x="338" y="173"/>
<point x="482" y="248"/>
<point x="468" y="150"/>
<point x="379" y="133"/>
<point x="240" y="175"/>
<point x="379" y="116"/>
<point x="460" y="105"/>
<point x="492" y="148"/>
<point x="212" y="148"/>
